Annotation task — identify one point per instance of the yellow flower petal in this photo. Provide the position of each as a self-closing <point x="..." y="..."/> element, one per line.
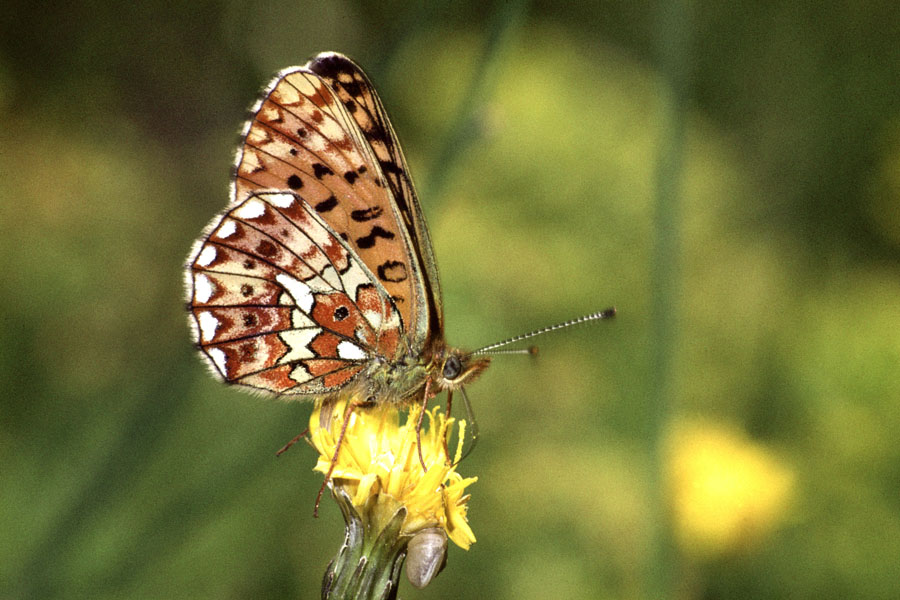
<point x="379" y="459"/>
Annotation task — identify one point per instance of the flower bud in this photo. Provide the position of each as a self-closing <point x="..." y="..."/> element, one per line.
<point x="426" y="556"/>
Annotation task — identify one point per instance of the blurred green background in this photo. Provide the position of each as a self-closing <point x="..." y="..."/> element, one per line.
<point x="727" y="175"/>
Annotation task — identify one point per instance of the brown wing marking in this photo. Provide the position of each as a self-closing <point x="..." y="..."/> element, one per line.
<point x="361" y="100"/>
<point x="302" y="139"/>
<point x="279" y="303"/>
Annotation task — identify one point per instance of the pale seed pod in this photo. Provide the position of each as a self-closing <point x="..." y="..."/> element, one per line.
<point x="426" y="556"/>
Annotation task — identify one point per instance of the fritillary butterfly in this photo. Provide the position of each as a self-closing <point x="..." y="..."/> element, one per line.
<point x="319" y="277"/>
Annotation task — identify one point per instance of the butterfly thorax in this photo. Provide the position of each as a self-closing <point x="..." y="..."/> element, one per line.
<point x="402" y="380"/>
<point x="393" y="381"/>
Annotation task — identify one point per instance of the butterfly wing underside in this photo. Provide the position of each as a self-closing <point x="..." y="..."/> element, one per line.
<point x="322" y="132"/>
<point x="322" y="261"/>
<point x="281" y="304"/>
<point x="363" y="103"/>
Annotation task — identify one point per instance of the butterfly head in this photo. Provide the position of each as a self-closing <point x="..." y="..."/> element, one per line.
<point x="455" y="368"/>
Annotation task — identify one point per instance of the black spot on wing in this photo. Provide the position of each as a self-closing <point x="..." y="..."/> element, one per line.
<point x="327" y="204"/>
<point x="367" y="241"/>
<point x="366" y="214"/>
<point x="320" y="170"/>
<point x="393" y="271"/>
<point x="294" y="182"/>
<point x="351" y="176"/>
<point x="390" y="167"/>
<point x="353" y="88"/>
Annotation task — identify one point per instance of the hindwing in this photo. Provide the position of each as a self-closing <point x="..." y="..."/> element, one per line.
<point x="279" y="302"/>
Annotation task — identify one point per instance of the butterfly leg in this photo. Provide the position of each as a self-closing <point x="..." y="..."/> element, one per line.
<point x="419" y="422"/>
<point x="337" y="448"/>
<point x="284" y="448"/>
<point x="473" y="425"/>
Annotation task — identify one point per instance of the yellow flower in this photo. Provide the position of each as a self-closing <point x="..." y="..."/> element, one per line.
<point x="378" y="468"/>
<point x="727" y="491"/>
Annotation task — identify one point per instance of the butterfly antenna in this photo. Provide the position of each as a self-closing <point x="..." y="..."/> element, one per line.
<point x="531" y="350"/>
<point x="603" y="314"/>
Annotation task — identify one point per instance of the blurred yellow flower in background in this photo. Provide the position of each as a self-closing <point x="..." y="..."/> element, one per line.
<point x="727" y="492"/>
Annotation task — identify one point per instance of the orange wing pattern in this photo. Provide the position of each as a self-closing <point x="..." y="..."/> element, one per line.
<point x="322" y="262"/>
<point x="280" y="303"/>
<point x="305" y="138"/>
<point x="358" y="95"/>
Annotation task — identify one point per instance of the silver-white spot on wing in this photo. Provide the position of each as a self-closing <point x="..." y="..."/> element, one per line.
<point x="203" y="288"/>
<point x="298" y="341"/>
<point x="207" y="255"/>
<point x="226" y="230"/>
<point x="208" y="325"/>
<point x="299" y="291"/>
<point x="218" y="358"/>
<point x="350" y="351"/>
<point x="250" y="209"/>
<point x="280" y="200"/>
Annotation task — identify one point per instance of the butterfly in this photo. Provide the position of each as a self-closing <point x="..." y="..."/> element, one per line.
<point x="319" y="278"/>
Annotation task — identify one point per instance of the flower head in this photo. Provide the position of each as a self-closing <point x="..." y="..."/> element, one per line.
<point x="379" y="470"/>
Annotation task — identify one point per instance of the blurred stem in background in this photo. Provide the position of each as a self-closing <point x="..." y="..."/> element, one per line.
<point x="673" y="54"/>
<point x="464" y="129"/>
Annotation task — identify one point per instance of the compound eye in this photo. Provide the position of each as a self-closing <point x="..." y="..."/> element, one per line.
<point x="452" y="368"/>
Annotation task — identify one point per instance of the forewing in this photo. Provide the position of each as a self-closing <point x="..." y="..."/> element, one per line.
<point x="361" y="100"/>
<point x="280" y="303"/>
<point x="303" y="138"/>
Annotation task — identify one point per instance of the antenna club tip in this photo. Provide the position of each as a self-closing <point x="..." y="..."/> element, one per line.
<point x="533" y="350"/>
<point x="608" y="313"/>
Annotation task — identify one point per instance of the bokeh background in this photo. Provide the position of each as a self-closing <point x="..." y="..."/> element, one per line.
<point x="727" y="175"/>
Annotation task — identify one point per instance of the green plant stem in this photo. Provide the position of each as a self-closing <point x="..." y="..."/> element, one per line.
<point x="673" y="41"/>
<point x="368" y="564"/>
